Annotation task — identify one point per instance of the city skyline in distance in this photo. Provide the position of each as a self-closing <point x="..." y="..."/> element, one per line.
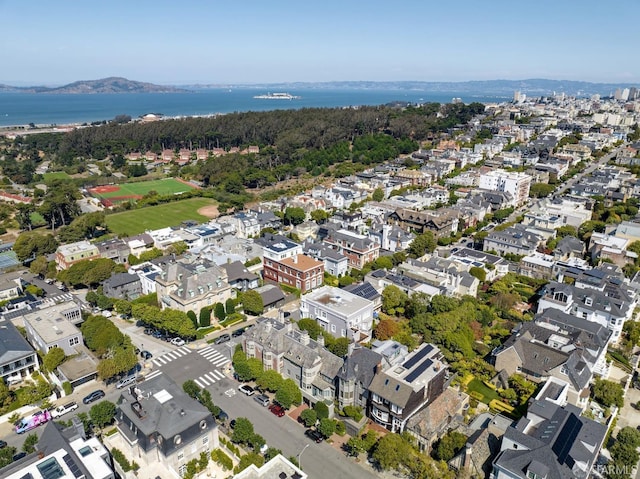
<point x="253" y="42"/>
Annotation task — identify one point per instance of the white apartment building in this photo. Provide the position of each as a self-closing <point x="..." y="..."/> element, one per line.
<point x="517" y="184"/>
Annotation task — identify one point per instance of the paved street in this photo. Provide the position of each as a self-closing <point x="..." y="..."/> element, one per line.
<point x="210" y="367"/>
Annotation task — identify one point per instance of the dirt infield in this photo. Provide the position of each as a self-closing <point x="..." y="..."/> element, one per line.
<point x="209" y="211"/>
<point x="104" y="189"/>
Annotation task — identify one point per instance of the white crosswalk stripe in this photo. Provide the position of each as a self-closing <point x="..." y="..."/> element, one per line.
<point x="204" y="380"/>
<point x="153" y="374"/>
<point x="220" y="362"/>
<point x="198" y="383"/>
<point x="171" y="355"/>
<point x="218" y="373"/>
<point x="210" y="377"/>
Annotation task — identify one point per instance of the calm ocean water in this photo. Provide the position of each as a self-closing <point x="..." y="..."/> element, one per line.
<point x="41" y="109"/>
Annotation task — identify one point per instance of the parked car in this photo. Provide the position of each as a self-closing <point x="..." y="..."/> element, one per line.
<point x="94" y="396"/>
<point x="148" y="331"/>
<point x="64" y="409"/>
<point x="238" y="332"/>
<point x="232" y="424"/>
<point x="314" y="435"/>
<point x="222" y="339"/>
<point x="178" y="342"/>
<point x="125" y="382"/>
<point x="222" y="416"/>
<point x="246" y="389"/>
<point x="3" y="444"/>
<point x="277" y="410"/>
<point x="262" y="400"/>
<point x="146" y="355"/>
<point x="17" y="457"/>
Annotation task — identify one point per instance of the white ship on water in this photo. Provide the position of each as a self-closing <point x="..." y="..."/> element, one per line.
<point x="277" y="96"/>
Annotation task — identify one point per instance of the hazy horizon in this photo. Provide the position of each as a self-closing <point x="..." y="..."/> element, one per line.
<point x="251" y="42"/>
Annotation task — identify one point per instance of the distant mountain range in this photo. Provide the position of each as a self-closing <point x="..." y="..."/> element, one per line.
<point x="531" y="87"/>
<point x="104" y="85"/>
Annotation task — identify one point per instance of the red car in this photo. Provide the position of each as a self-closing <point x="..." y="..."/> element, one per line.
<point x="277" y="410"/>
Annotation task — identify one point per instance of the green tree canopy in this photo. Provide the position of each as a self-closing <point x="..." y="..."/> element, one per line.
<point x="102" y="413"/>
<point x="242" y="431"/>
<point x="422" y="244"/>
<point x="391" y="452"/>
<point x="607" y="393"/>
<point x="294" y="216"/>
<point x="393" y="300"/>
<point x="252" y="303"/>
<point x="54" y="358"/>
<point x="270" y="380"/>
<point x="308" y="417"/>
<point x="31" y="243"/>
<point x="449" y="445"/>
<point x="327" y="427"/>
<point x="377" y="195"/>
<point x="288" y="394"/>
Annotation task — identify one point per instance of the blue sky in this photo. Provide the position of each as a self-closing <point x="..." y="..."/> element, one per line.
<point x="246" y="41"/>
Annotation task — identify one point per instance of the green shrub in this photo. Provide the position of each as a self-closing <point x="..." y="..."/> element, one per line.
<point x="67" y="388"/>
<point x="221" y="458"/>
<point x="341" y="429"/>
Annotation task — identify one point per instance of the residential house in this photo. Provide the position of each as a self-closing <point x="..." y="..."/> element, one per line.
<point x="451" y="277"/>
<point x="159" y="423"/>
<point x="278" y="466"/>
<point x="190" y="286"/>
<point x="495" y="266"/>
<point x="358" y="249"/>
<point x="380" y="279"/>
<point x="389" y="237"/>
<point x="114" y="249"/>
<point x="239" y="277"/>
<point x="64" y="453"/>
<point x="122" y="286"/>
<point x="551" y="442"/>
<point x="608" y="305"/>
<point x="442" y="223"/>
<point x="53" y="327"/>
<point x="69" y="254"/>
<point x="340" y="313"/>
<point x="603" y="246"/>
<point x="399" y="392"/>
<point x="147" y="273"/>
<point x="336" y="264"/>
<point x="17" y="358"/>
<point x="282" y="347"/>
<point x="557" y="345"/>
<point x="537" y="266"/>
<point x="445" y="413"/>
<point x="514" y="240"/>
<point x="246" y="224"/>
<point x="568" y="247"/>
<point x="355" y="376"/>
<point x="297" y="271"/>
<point x="11" y="285"/>
<point x="272" y="296"/>
<point x="139" y="244"/>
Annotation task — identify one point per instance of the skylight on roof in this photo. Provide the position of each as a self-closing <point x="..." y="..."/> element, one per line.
<point x="162" y="396"/>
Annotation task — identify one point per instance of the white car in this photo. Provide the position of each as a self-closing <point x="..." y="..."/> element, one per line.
<point x="62" y="410"/>
<point x="246" y="389"/>
<point x="178" y="342"/>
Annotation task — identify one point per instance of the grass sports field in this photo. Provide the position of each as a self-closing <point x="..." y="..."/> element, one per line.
<point x="133" y="191"/>
<point x="56" y="175"/>
<point x="155" y="217"/>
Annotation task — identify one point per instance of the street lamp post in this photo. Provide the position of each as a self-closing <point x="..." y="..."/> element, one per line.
<point x="300" y="455"/>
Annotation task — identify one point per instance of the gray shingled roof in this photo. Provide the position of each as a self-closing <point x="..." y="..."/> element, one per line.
<point x="561" y="440"/>
<point x="12" y="345"/>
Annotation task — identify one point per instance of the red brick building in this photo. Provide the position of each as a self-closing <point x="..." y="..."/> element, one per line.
<point x="299" y="271"/>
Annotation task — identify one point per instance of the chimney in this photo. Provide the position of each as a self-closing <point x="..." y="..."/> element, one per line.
<point x="351" y="348"/>
<point x="295" y="259"/>
<point x="320" y="340"/>
<point x="304" y="338"/>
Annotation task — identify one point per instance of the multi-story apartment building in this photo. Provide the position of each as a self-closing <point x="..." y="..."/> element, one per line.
<point x="517" y="184"/>
<point x="69" y="254"/>
<point x="340" y="313"/>
<point x="359" y="249"/>
<point x="400" y="391"/>
<point x="515" y="240"/>
<point x="53" y="327"/>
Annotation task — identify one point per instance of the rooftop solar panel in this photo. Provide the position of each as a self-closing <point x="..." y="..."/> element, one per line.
<point x="420" y="368"/>
<point x="419" y="355"/>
